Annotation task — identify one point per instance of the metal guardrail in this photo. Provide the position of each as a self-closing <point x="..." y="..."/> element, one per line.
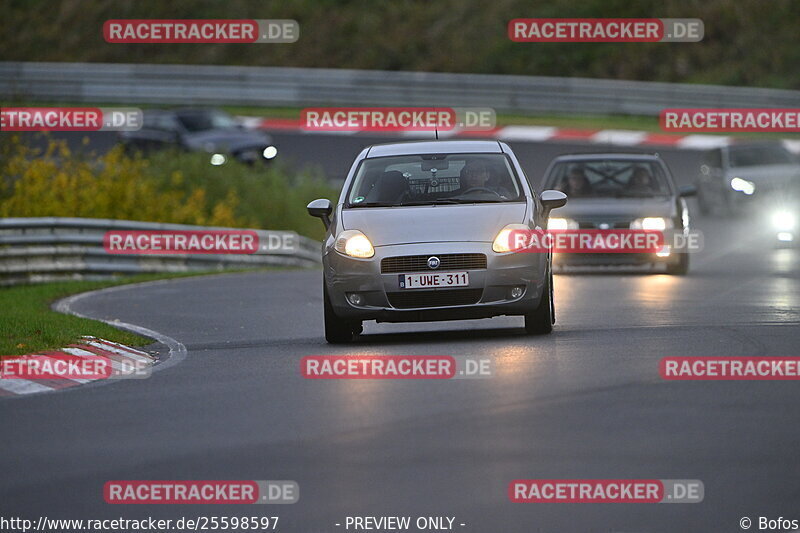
<point x="55" y="248"/>
<point x="280" y="86"/>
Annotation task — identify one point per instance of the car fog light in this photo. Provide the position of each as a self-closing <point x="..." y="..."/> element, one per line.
<point x="664" y="252"/>
<point x="516" y="292"/>
<point x="355" y="298"/>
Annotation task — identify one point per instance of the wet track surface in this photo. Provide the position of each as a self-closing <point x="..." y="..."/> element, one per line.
<point x="585" y="402"/>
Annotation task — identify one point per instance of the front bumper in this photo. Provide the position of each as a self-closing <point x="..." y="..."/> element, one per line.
<point x="490" y="286"/>
<point x="615" y="259"/>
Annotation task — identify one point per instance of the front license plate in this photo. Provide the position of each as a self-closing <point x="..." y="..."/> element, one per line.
<point x="432" y="281"/>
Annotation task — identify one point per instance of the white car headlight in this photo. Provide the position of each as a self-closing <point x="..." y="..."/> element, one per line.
<point x="652" y="223"/>
<point x="355" y="244"/>
<point x="561" y="223"/>
<point x="742" y="185"/>
<point x="502" y="243"/>
<point x="784" y="220"/>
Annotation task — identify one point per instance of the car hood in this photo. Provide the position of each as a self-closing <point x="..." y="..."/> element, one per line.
<point x="433" y="223"/>
<point x="623" y="208"/>
<point x="225" y="140"/>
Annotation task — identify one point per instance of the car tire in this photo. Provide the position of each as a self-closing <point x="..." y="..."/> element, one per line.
<point x="540" y="321"/>
<point x="338" y="330"/>
<point x="681" y="268"/>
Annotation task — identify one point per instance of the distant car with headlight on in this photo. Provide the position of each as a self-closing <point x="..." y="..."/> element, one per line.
<point x="200" y="130"/>
<point x="421" y="233"/>
<point x="733" y="176"/>
<point x="616" y="191"/>
<point x="783" y="216"/>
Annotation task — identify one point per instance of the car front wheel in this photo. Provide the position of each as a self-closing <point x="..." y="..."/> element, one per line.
<point x="540" y="321"/>
<point x="338" y="330"/>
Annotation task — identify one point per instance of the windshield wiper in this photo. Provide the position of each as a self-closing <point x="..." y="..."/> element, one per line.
<point x="433" y="202"/>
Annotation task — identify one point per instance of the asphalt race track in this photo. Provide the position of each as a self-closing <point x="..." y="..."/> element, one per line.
<point x="585" y="402"/>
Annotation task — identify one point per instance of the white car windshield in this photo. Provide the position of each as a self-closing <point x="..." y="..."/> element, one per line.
<point x="434" y="179"/>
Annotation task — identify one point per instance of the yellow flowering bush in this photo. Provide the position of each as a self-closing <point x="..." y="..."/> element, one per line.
<point x="173" y="187"/>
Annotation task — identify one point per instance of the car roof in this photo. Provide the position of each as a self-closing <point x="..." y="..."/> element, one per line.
<point x="434" y="147"/>
<point x="607" y="155"/>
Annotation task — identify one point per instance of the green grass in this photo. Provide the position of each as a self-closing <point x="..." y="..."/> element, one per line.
<point x="28" y="325"/>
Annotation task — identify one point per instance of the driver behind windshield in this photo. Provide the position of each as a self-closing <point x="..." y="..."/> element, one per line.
<point x="477" y="176"/>
<point x="641" y="181"/>
<point x="577" y="183"/>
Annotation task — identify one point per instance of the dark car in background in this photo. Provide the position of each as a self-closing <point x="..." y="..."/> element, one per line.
<point x="733" y="176"/>
<point x="619" y="191"/>
<point x="200" y="130"/>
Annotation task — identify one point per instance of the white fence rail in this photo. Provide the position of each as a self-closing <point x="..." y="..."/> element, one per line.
<point x="54" y="248"/>
<point x="280" y="86"/>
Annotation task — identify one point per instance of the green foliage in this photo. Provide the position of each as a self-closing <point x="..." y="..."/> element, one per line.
<point x="747" y="42"/>
<point x="173" y="187"/>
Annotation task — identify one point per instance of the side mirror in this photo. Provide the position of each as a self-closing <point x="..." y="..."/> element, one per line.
<point x="552" y="199"/>
<point x="688" y="190"/>
<point x="322" y="209"/>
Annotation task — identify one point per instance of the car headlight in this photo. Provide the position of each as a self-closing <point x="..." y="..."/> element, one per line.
<point x="502" y="243"/>
<point x="742" y="185"/>
<point x="561" y="223"/>
<point x="652" y="223"/>
<point x="355" y="244"/>
<point x="783" y="220"/>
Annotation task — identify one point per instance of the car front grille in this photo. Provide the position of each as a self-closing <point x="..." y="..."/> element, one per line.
<point x="595" y="224"/>
<point x="419" y="263"/>
<point x="416" y="298"/>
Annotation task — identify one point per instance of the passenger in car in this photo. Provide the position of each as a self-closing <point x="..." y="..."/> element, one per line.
<point x="641" y="181"/>
<point x="577" y="184"/>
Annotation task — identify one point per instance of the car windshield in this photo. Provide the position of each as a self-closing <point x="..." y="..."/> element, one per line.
<point x="751" y="156"/>
<point x="613" y="178"/>
<point x="434" y="179"/>
<point x="205" y="120"/>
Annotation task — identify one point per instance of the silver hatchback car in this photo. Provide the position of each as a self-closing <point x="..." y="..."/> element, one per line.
<point x="421" y="233"/>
